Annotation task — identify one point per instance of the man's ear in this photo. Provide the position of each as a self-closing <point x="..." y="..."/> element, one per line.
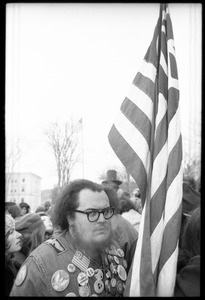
<point x="70" y="220"/>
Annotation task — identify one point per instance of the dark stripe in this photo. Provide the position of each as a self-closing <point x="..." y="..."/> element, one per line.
<point x="163" y="82"/>
<point x="130" y="159"/>
<point x="173" y="66"/>
<point x="170" y="237"/>
<point x="170" y="35"/>
<point x="145" y="84"/>
<point x="172" y="103"/>
<point x="174" y="161"/>
<point x="161" y="135"/>
<point x="157" y="205"/>
<point x="137" y="117"/>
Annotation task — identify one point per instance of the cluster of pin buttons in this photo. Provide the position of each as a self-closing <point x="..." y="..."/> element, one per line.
<point x="112" y="282"/>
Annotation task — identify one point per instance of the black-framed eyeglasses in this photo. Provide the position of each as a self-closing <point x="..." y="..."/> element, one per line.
<point x="93" y="215"/>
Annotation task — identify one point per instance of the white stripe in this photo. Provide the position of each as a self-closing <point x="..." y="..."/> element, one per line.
<point x="163" y="15"/>
<point x="171" y="47"/>
<point x="174" y="192"/>
<point x="148" y="70"/>
<point x="167" y="276"/>
<point x="163" y="29"/>
<point x="134" y="138"/>
<point x="163" y="63"/>
<point x="135" y="279"/>
<point x="140" y="99"/>
<point x="159" y="169"/>
<point x="174" y="131"/>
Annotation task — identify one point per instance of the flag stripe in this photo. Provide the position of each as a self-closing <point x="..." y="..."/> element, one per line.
<point x="145" y="84"/>
<point x="137" y="117"/>
<point x="141" y="100"/>
<point x="136" y="164"/>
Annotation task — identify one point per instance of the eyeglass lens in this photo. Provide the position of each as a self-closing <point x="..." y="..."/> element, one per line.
<point x="94" y="215"/>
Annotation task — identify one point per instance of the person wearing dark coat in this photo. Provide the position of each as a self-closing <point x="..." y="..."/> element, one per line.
<point x="188" y="276"/>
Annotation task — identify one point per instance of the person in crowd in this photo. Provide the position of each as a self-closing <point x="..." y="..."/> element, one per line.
<point x="47" y="205"/>
<point x="14" y="211"/>
<point x="191" y="199"/>
<point x="32" y="229"/>
<point x="40" y="209"/>
<point x="137" y="201"/>
<point x="8" y="204"/>
<point x="86" y="259"/>
<point x="124" y="231"/>
<point x="129" y="212"/>
<point x="48" y="224"/>
<point x="112" y="180"/>
<point x="12" y="244"/>
<point x="188" y="277"/>
<point x="25" y="208"/>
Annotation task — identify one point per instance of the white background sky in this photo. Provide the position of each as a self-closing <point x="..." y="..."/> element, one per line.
<point x="79" y="60"/>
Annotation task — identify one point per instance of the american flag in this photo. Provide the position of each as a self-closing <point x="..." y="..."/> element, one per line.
<point x="146" y="137"/>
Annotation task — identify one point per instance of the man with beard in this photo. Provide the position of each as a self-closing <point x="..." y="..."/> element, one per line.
<point x="85" y="259"/>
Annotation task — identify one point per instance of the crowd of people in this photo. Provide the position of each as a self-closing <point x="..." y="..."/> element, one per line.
<point x="83" y="245"/>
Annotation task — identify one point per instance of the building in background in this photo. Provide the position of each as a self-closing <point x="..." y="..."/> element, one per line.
<point x="24" y="187"/>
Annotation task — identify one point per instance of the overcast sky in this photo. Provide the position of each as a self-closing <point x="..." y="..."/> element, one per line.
<point x="79" y="60"/>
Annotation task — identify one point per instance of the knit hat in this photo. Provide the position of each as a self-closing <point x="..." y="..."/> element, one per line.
<point x="28" y="222"/>
<point x="9" y="223"/>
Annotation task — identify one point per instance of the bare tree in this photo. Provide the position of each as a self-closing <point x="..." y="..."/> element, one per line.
<point x="63" y="142"/>
<point x="13" y="154"/>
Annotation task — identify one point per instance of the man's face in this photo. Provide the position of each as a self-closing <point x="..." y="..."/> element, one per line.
<point x="95" y="234"/>
<point x="114" y="186"/>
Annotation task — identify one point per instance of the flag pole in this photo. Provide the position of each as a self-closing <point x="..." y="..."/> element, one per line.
<point x="82" y="151"/>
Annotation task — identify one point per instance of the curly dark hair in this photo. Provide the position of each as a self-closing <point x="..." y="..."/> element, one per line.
<point x="68" y="200"/>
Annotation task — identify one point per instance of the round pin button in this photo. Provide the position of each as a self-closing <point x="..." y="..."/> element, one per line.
<point x="90" y="272"/>
<point x="113" y="282"/>
<point x="71" y="295"/>
<point x="99" y="286"/>
<point x="60" y="280"/>
<point x="108" y="273"/>
<point x="82" y="278"/>
<point x="119" y="287"/>
<point x="113" y="268"/>
<point x="113" y="291"/>
<point x="120" y="252"/>
<point x="71" y="268"/>
<point x="98" y="274"/>
<point x="84" y="291"/>
<point x="116" y="259"/>
<point x="107" y="286"/>
<point x="79" y="254"/>
<point x="110" y="258"/>
<point x="124" y="262"/>
<point x="21" y="275"/>
<point x="122" y="272"/>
